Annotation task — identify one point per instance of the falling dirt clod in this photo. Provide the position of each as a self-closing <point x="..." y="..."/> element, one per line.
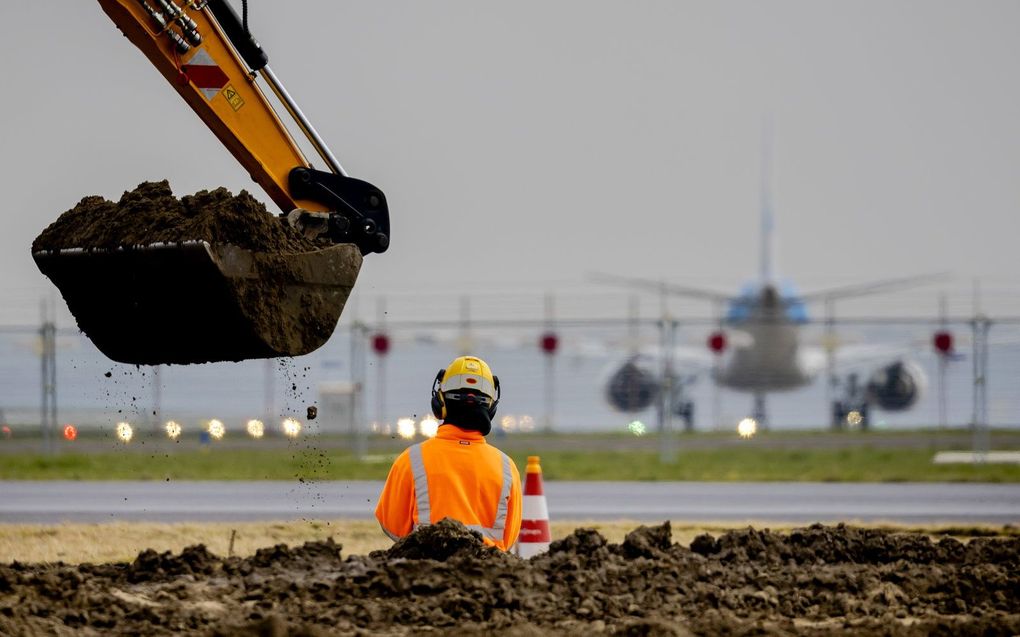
<point x="153" y="279"/>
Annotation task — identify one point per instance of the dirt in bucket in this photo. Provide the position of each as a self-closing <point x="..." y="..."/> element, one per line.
<point x="819" y="580"/>
<point x="152" y="214"/>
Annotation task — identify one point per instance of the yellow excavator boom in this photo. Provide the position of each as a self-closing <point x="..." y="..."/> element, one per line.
<point x="213" y="79"/>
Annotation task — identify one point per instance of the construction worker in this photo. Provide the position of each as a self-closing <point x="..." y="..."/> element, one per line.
<point x="456" y="474"/>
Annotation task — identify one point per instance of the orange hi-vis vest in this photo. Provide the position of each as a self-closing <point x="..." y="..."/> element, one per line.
<point x="454" y="475"/>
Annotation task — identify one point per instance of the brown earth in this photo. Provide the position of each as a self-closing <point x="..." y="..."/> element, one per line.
<point x="259" y="289"/>
<point x="442" y="580"/>
<point x="152" y="214"/>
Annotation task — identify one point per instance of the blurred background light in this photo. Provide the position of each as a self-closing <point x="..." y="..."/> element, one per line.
<point x="508" y="423"/>
<point x="291" y="427"/>
<point x="429" y="427"/>
<point x="256" y="429"/>
<point x="405" y="428"/>
<point x="173" y="430"/>
<point x="125" y="432"/>
<point x="216" y="429"/>
<point x="854" y="418"/>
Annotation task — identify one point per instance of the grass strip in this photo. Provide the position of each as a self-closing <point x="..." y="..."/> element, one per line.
<point x="859" y="464"/>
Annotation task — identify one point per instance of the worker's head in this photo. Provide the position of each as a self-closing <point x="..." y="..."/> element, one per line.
<point x="465" y="394"/>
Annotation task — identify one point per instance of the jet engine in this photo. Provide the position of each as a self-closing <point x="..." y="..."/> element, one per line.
<point x="895" y="387"/>
<point x="632" y="387"/>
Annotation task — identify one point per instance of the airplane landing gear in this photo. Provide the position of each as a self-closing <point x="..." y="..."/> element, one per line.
<point x="760" y="415"/>
<point x="685" y="409"/>
<point x="851" y="411"/>
<point x="681" y="405"/>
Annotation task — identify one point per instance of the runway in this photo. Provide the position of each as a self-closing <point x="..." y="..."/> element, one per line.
<point x="792" y="502"/>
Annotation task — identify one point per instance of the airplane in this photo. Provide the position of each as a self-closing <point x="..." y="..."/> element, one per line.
<point x="758" y="348"/>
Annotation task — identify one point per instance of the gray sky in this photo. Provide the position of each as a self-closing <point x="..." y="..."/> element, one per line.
<point x="524" y="144"/>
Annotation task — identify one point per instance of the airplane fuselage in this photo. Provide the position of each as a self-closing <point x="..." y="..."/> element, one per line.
<point x="764" y="355"/>
<point x="769" y="360"/>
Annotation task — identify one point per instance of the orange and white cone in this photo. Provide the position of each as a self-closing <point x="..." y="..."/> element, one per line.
<point x="535" y="535"/>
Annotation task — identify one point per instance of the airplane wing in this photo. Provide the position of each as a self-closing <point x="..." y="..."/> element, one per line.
<point x="687" y="357"/>
<point x="874" y="287"/>
<point x="862" y="356"/>
<point x="661" y="287"/>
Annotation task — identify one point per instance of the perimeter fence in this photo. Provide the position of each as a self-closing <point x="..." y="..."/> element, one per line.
<point x="556" y="364"/>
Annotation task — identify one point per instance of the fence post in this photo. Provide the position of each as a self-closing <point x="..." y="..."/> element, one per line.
<point x="48" y="337"/>
<point x="359" y="336"/>
<point x="549" y="353"/>
<point x="980" y="326"/>
<point x="667" y="439"/>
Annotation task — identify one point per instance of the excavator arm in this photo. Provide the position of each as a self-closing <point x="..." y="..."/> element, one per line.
<point x="206" y="53"/>
<point x="196" y="300"/>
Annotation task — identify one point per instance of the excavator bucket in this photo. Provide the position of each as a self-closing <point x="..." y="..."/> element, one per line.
<point x="211" y="277"/>
<point x="195" y="302"/>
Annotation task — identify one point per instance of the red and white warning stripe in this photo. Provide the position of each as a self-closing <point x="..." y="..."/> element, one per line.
<point x="205" y="74"/>
<point x="535" y="535"/>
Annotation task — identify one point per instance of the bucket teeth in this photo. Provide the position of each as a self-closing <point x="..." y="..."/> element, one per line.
<point x="194" y="302"/>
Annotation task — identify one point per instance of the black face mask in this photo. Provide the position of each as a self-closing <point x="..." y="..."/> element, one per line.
<point x="468" y="415"/>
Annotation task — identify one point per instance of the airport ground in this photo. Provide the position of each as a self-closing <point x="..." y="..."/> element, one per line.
<point x="342" y="576"/>
<point x="122" y="541"/>
<point x="76" y="543"/>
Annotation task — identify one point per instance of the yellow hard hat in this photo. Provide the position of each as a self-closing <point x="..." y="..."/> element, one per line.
<point x="464" y="373"/>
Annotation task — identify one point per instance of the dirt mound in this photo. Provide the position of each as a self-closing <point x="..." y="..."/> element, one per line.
<point x="820" y="544"/>
<point x="443" y="580"/>
<point x="442" y="541"/>
<point x="152" y="214"/>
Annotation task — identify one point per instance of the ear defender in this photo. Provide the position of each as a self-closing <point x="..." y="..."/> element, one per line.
<point x="438" y="406"/>
<point x="495" y="401"/>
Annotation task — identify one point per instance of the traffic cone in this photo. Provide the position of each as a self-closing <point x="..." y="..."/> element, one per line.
<point x="535" y="536"/>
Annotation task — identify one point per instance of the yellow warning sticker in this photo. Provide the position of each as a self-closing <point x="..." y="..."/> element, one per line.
<point x="233" y="98"/>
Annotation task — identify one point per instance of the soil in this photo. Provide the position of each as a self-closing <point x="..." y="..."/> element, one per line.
<point x="152" y="214"/>
<point x="261" y="289"/>
<point x="442" y="580"/>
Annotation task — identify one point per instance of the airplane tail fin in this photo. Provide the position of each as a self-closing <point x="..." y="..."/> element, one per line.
<point x="767" y="266"/>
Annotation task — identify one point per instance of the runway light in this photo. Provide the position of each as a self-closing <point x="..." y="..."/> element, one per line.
<point x="291" y="428"/>
<point x="256" y="429"/>
<point x="854" y="418"/>
<point x="70" y="432"/>
<point x="508" y="423"/>
<point x="216" y="429"/>
<point x="7" y="431"/>
<point x="405" y="428"/>
<point x="125" y="432"/>
<point x="747" y="427"/>
<point x="637" y="428"/>
<point x="173" y="430"/>
<point x="429" y="427"/>
<point x="527" y="423"/>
